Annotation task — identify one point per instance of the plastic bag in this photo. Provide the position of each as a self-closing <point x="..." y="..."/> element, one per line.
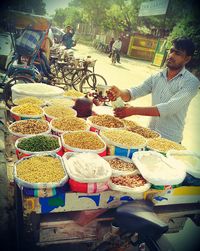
<point x="189" y="159"/>
<point x="157" y="169"/>
<point x="87" y="168"/>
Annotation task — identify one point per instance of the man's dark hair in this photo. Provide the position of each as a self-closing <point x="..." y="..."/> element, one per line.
<point x="184" y="44"/>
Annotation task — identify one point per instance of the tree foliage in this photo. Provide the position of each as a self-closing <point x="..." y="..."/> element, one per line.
<point x="68" y="16"/>
<point x="189" y="26"/>
<point x="181" y="18"/>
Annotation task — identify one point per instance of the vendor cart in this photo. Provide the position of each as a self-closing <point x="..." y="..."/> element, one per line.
<point x="69" y="217"/>
<point x="52" y="216"/>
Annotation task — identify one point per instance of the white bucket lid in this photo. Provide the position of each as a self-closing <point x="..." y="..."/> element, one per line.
<point x="37" y="89"/>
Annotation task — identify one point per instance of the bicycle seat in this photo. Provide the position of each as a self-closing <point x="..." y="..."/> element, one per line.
<point x="63" y="63"/>
<point x="54" y="57"/>
<point x="138" y="216"/>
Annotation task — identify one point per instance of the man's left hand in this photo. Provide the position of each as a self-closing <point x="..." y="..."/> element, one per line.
<point x="124" y="112"/>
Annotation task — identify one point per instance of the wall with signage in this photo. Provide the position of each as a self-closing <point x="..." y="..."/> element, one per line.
<point x="142" y="47"/>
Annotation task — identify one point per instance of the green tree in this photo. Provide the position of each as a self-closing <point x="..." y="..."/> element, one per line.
<point x="122" y="15"/>
<point x="70" y="15"/>
<point x="189" y="27"/>
<point x="59" y="17"/>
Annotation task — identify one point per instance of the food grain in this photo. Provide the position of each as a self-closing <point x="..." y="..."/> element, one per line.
<point x="125" y="138"/>
<point x="69" y="124"/>
<point x="44" y="169"/>
<point x="129" y="123"/>
<point x="106" y="121"/>
<point x="145" y="132"/>
<point x="39" y="143"/>
<point x="29" y="100"/>
<point x="27" y="109"/>
<point x="30" y="126"/>
<point x="83" y="140"/>
<point x="74" y="94"/>
<point x="163" y="145"/>
<point x="59" y="111"/>
<point x="129" y="180"/>
<point x="121" y="165"/>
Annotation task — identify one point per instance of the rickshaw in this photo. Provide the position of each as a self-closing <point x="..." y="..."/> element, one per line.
<point x="30" y="32"/>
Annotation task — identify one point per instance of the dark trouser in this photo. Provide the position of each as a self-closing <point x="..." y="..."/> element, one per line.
<point x="117" y="55"/>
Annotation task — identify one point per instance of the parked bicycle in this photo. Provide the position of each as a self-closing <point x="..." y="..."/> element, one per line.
<point x="23" y="68"/>
<point x="71" y="72"/>
<point x="90" y="82"/>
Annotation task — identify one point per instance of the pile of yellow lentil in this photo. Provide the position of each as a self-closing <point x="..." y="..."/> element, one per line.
<point x="27" y="109"/>
<point x="59" y="111"/>
<point x="73" y="94"/>
<point x="124" y="137"/>
<point x="69" y="124"/>
<point x="29" y="100"/>
<point x="163" y="145"/>
<point x="145" y="132"/>
<point x="61" y="102"/>
<point x="44" y="169"/>
<point x="129" y="123"/>
<point x="106" y="121"/>
<point x="83" y="140"/>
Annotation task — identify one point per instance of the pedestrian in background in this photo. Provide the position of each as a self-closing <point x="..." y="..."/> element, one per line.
<point x="67" y="37"/>
<point x="111" y="44"/>
<point x="117" y="45"/>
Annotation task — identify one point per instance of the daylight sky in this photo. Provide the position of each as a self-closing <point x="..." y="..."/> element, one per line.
<point x="52" y="5"/>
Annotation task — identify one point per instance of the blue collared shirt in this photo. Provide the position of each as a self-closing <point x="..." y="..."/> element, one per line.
<point x="172" y="98"/>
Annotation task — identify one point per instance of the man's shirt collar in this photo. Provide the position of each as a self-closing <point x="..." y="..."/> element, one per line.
<point x="164" y="72"/>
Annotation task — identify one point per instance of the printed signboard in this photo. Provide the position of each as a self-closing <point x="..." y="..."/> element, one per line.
<point x="152" y="8"/>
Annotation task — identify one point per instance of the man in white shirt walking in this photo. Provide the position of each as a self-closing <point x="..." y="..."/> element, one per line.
<point x="117" y="47"/>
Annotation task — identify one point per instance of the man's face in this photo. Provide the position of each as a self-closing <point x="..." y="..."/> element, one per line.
<point x="177" y="59"/>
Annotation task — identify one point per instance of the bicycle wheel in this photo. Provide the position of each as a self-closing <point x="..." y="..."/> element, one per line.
<point x="89" y="82"/>
<point x="67" y="74"/>
<point x="78" y="76"/>
<point x="7" y="92"/>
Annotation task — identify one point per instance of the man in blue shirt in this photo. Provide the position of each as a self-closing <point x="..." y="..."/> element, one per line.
<point x="172" y="90"/>
<point x="67" y="37"/>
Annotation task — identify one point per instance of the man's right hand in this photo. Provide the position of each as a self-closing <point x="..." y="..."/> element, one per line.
<point x="113" y="93"/>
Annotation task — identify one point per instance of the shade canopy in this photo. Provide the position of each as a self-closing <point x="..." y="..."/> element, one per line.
<point x="23" y="20"/>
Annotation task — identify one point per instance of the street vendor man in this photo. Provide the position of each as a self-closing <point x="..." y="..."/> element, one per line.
<point x="172" y="91"/>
